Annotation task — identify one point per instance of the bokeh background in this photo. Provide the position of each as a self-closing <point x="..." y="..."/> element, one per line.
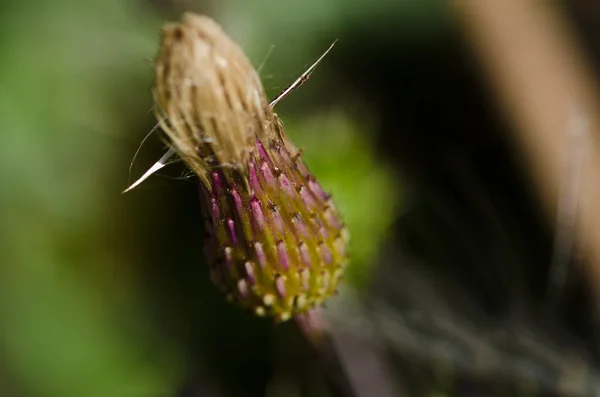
<point x="412" y="122"/>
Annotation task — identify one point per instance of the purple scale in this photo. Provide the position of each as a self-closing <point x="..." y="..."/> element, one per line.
<point x="250" y="272"/>
<point x="283" y="164"/>
<point x="302" y="168"/>
<point x="331" y="219"/>
<point x="254" y="183"/>
<point x="323" y="232"/>
<point x="217" y="186"/>
<point x="228" y="258"/>
<point x="286" y="185"/>
<point x="277" y="221"/>
<point x="257" y="213"/>
<point x="260" y="254"/>
<point x="316" y="189"/>
<point x="282" y="254"/>
<point x="265" y="171"/>
<point x="237" y="200"/>
<point x="243" y="288"/>
<point x="261" y="151"/>
<point x="280" y="286"/>
<point x="304" y="254"/>
<point x="231" y="227"/>
<point x="299" y="226"/>
<point x="215" y="209"/>
<point x="306" y="197"/>
<point x="325" y="253"/>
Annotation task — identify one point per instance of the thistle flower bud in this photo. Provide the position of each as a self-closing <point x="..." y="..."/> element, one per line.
<point x="275" y="241"/>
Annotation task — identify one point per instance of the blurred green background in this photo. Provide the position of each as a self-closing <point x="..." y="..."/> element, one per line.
<point x="107" y="295"/>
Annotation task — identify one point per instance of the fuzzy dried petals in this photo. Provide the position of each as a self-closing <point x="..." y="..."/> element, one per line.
<point x="211" y="102"/>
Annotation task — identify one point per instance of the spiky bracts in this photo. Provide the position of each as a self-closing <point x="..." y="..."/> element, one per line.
<point x="277" y="245"/>
<point x="275" y="240"/>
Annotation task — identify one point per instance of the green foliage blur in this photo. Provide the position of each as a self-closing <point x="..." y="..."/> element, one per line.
<point x="106" y="295"/>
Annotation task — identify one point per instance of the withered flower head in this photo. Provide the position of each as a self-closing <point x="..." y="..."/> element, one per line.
<point x="276" y="242"/>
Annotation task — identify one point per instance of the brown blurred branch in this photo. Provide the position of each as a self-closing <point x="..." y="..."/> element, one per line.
<point x="540" y="77"/>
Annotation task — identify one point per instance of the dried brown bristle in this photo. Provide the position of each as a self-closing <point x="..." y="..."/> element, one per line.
<point x="210" y="100"/>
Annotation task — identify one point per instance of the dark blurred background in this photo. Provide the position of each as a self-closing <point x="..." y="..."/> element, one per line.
<point x="107" y="295"/>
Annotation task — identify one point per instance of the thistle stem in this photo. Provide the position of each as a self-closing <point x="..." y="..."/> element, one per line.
<point x="312" y="326"/>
